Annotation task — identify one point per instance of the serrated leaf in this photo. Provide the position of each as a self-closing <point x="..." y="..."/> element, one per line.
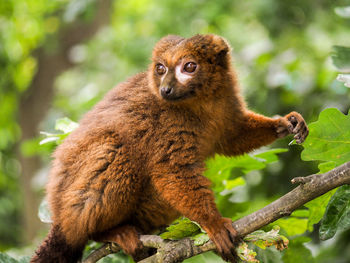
<point x="337" y="216"/>
<point x="329" y="138"/>
<point x="44" y="212"/>
<point x="66" y="125"/>
<point x="343" y="11"/>
<point x="181" y="228"/>
<point x="344" y="78"/>
<point x="341" y="58"/>
<point x="200" y="239"/>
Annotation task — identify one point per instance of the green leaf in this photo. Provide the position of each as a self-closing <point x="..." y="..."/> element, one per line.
<point x="58" y="138"/>
<point x="181" y="228"/>
<point x="301" y="213"/>
<point x="327" y="166"/>
<point x="229" y="184"/>
<point x="5" y="258"/>
<point x="341" y="58"/>
<point x="44" y="212"/>
<point x="328" y="141"/>
<point x="200" y="239"/>
<point x="270" y="156"/>
<point x="292" y="225"/>
<point x="317" y="208"/>
<point x="337" y="216"/>
<point x="329" y="138"/>
<point x="220" y="167"/>
<point x="66" y="125"/>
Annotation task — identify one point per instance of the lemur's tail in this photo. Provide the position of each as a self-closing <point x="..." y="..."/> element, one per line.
<point x="55" y="249"/>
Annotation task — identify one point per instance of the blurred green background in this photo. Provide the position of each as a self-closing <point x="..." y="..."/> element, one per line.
<point x="59" y="57"/>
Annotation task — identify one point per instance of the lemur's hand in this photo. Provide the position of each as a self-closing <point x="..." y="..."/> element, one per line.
<point x="293" y="123"/>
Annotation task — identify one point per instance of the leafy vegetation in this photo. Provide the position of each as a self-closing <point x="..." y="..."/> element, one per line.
<point x="65" y="125"/>
<point x="281" y="51"/>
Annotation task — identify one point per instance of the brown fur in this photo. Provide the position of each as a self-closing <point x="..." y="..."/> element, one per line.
<point x="136" y="161"/>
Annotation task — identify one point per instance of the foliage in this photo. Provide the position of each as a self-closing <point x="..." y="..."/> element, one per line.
<point x="184" y="227"/>
<point x="223" y="173"/>
<point x="5" y="258"/>
<point x="24" y="26"/>
<point x="337" y="216"/>
<point x="220" y="169"/>
<point x="285" y="48"/>
<point x="181" y="228"/>
<point x="264" y="239"/>
<point x="328" y="140"/>
<point x="65" y="125"/>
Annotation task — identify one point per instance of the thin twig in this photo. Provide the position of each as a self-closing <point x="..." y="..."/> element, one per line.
<point x="103" y="251"/>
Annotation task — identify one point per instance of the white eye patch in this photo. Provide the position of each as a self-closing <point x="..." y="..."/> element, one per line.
<point x="180" y="76"/>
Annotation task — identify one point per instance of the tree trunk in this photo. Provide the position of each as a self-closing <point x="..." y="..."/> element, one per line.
<point x="36" y="101"/>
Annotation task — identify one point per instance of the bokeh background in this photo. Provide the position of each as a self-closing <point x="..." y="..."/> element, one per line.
<point x="59" y="57"/>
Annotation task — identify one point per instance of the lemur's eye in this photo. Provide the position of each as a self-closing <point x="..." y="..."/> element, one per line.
<point x="190" y="67"/>
<point x="160" y="69"/>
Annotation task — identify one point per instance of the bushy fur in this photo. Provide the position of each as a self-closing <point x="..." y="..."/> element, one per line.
<point x="136" y="161"/>
<point x="55" y="249"/>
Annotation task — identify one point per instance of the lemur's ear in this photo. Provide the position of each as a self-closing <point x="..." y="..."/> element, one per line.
<point x="221" y="45"/>
<point x="221" y="48"/>
<point x="215" y="47"/>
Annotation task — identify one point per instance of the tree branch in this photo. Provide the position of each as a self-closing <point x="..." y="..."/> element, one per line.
<point x="311" y="187"/>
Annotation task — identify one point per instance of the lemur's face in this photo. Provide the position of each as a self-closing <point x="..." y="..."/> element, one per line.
<point x="188" y="68"/>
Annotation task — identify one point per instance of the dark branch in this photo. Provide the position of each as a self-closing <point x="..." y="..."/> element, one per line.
<point x="312" y="186"/>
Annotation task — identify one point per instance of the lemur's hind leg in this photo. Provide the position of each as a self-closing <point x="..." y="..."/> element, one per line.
<point x="127" y="237"/>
